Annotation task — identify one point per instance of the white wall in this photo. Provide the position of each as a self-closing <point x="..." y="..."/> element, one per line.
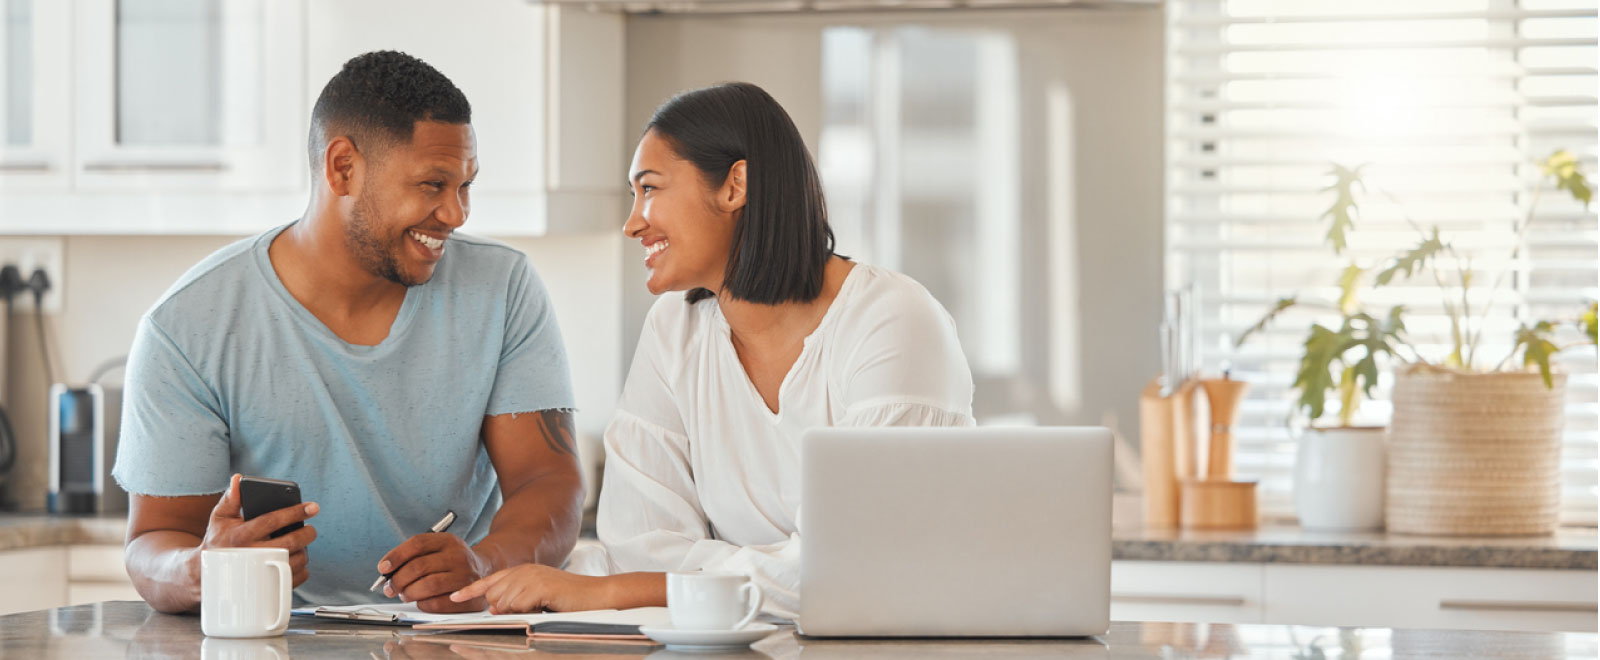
<point x="111" y="281"/>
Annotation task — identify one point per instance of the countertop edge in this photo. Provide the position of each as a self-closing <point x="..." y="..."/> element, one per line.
<point x="1354" y="555"/>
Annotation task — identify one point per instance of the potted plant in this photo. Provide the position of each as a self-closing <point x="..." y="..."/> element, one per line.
<point x="1473" y="448"/>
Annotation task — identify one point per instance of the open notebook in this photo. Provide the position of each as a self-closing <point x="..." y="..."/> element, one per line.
<point x="594" y="624"/>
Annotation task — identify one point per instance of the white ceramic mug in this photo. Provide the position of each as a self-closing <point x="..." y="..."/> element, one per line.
<point x="711" y="601"/>
<point x="244" y="592"/>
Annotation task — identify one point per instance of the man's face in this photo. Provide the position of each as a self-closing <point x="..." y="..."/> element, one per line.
<point x="412" y="197"/>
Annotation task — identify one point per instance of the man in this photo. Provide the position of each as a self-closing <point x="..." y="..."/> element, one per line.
<point x="392" y="368"/>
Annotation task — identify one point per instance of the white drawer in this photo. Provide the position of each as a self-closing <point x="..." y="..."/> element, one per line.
<point x="1424" y="597"/>
<point x="79" y="593"/>
<point x="96" y="563"/>
<point x="32" y="579"/>
<point x="1200" y="592"/>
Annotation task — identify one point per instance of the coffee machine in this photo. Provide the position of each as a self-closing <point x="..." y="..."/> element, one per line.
<point x="84" y="423"/>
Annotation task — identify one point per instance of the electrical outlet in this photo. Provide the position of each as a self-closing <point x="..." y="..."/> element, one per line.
<point x="30" y="252"/>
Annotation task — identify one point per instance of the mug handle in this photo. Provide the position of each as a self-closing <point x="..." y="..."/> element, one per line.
<point x="752" y="593"/>
<point x="285" y="587"/>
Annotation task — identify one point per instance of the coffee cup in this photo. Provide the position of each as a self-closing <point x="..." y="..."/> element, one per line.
<point x="245" y="592"/>
<point x="711" y="601"/>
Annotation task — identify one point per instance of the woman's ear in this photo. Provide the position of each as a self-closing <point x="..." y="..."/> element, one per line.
<point x="732" y="196"/>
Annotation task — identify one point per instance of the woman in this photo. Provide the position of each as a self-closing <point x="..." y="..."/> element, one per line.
<point x="774" y="334"/>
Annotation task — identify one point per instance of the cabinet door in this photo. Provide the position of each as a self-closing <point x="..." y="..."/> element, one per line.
<point x="34" y="579"/>
<point x="190" y="95"/>
<point x="1427" y="597"/>
<point x="1197" y="592"/>
<point x="35" y="99"/>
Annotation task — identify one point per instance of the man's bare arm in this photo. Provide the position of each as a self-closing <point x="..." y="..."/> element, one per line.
<point x="535" y="456"/>
<point x="167" y="534"/>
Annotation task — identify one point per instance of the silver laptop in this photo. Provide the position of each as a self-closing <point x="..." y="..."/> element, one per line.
<point x="942" y="532"/>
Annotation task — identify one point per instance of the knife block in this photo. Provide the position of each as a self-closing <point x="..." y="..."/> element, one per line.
<point x="1166" y="449"/>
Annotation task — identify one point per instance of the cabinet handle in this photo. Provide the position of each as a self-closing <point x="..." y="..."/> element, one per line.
<point x="24" y="167"/>
<point x="155" y="167"/>
<point x="1517" y="606"/>
<point x="1174" y="599"/>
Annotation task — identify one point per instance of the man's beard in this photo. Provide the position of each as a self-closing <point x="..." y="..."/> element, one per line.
<point x="376" y="256"/>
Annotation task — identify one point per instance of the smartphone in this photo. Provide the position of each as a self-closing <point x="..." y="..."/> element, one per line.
<point x="259" y="495"/>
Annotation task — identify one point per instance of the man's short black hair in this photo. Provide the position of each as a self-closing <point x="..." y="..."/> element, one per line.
<point x="376" y="100"/>
<point x="782" y="242"/>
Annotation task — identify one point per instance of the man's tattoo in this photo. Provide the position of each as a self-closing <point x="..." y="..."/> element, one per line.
<point x="558" y="431"/>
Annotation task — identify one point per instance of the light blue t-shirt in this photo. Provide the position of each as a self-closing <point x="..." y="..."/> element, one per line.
<point x="229" y="373"/>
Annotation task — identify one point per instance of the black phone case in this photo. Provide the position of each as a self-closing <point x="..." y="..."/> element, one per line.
<point x="259" y="495"/>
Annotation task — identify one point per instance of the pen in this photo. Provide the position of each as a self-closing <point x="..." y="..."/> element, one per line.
<point x="443" y="524"/>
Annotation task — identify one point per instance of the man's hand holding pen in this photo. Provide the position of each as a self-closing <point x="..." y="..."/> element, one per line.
<point x="427" y="568"/>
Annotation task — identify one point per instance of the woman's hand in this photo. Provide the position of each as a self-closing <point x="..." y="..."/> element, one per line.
<point x="538" y="588"/>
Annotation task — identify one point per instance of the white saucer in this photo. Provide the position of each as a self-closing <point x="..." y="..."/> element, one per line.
<point x="708" y="640"/>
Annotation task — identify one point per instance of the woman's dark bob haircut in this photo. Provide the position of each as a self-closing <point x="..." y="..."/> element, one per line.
<point x="782" y="241"/>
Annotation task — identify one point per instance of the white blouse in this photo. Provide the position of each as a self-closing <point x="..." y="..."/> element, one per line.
<point x="700" y="474"/>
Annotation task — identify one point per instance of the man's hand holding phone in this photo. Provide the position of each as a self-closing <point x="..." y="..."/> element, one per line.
<point x="228" y="528"/>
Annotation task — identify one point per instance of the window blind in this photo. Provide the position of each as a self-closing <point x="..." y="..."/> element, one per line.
<point x="1447" y="105"/>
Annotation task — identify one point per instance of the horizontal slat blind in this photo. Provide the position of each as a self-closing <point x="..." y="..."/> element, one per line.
<point x="1448" y="103"/>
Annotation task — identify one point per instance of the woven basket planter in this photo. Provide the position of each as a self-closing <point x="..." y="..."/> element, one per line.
<point x="1474" y="454"/>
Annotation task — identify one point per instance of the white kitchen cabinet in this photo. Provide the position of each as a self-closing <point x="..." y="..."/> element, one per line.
<point x="1430" y="597"/>
<point x="35" y="94"/>
<point x="97" y="573"/>
<point x="1210" y="592"/>
<point x="179" y="117"/>
<point x="184" y="95"/>
<point x="33" y="578"/>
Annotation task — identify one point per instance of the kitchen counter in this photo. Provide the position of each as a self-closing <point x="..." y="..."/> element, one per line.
<point x="19" y="531"/>
<point x="1570" y="548"/>
<point x="131" y="629"/>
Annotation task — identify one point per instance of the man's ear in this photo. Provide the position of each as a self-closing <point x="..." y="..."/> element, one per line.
<point x="732" y="196"/>
<point x="342" y="166"/>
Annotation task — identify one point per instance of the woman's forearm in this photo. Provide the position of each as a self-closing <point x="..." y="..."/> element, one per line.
<point x="627" y="590"/>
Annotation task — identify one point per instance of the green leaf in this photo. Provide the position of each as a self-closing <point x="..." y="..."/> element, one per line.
<point x="1348" y="280"/>
<point x="1277" y="308"/>
<point x="1563" y="165"/>
<point x="1375" y="340"/>
<point x="1315" y="377"/>
<point x="1414" y="259"/>
<point x="1395" y="325"/>
<point x="1591" y="323"/>
<point x="1341" y="214"/>
<point x="1537" y="348"/>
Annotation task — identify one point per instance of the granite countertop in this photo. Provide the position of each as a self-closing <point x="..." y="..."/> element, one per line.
<point x="35" y="530"/>
<point x="1569" y="548"/>
<point x="131" y="629"/>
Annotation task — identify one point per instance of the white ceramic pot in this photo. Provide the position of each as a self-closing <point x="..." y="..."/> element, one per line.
<point x="1339" y="479"/>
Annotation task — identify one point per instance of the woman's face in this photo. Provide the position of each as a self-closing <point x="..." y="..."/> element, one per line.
<point x="684" y="225"/>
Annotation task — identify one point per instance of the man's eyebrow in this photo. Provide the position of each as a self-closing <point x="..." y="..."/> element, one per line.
<point x="441" y="171"/>
<point x="640" y="174"/>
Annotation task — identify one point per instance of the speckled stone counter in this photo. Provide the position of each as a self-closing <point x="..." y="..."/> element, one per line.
<point x="33" y="530"/>
<point x="1568" y="548"/>
<point x="133" y="630"/>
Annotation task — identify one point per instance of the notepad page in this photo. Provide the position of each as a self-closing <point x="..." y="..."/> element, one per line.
<point x="407" y="611"/>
